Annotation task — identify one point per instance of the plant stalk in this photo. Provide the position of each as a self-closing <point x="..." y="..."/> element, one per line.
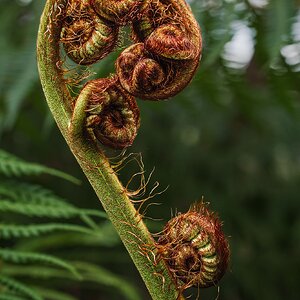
<point x="94" y="164"/>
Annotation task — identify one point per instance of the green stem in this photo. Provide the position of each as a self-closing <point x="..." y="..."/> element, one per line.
<point x="95" y="165"/>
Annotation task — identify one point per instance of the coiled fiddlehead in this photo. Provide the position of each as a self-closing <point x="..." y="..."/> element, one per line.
<point x="195" y="248"/>
<point x="159" y="66"/>
<point x="171" y="38"/>
<point x="85" y="36"/>
<point x="106" y="100"/>
<point x="112" y="115"/>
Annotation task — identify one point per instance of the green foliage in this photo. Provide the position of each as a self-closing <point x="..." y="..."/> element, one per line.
<point x="35" y="203"/>
<point x="8" y="255"/>
<point x="19" y="288"/>
<point x="11" y="165"/>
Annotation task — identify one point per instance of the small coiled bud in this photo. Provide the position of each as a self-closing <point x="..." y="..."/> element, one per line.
<point x="117" y="11"/>
<point x="112" y="114"/>
<point x="169" y="41"/>
<point x="85" y="36"/>
<point x="151" y="77"/>
<point x="166" y="54"/>
<point x="195" y="248"/>
<point x="140" y="74"/>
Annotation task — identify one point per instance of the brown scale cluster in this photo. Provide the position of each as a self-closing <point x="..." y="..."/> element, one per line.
<point x="112" y="114"/>
<point x="87" y="37"/>
<point x="170" y="37"/>
<point x="195" y="248"/>
<point x="160" y="63"/>
<point x="118" y="11"/>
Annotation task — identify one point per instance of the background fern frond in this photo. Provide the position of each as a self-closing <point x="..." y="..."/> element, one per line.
<point x="16" y="286"/>
<point x="102" y="276"/>
<point x="28" y="192"/>
<point x="9" y="296"/>
<point x="39" y="210"/>
<point x="105" y="238"/>
<point x="10" y="166"/>
<point x="36" y="271"/>
<point x="20" y="257"/>
<point x="51" y="294"/>
<point x="17" y="231"/>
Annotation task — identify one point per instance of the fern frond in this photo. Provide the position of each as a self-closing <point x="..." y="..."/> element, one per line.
<point x="100" y="275"/>
<point x="17" y="231"/>
<point x="11" y="165"/>
<point x="50" y="294"/>
<point x="8" y="296"/>
<point x="26" y="192"/>
<point x="14" y="285"/>
<point x="69" y="240"/>
<point x="35" y="271"/>
<point x="29" y="257"/>
<point x="38" y="210"/>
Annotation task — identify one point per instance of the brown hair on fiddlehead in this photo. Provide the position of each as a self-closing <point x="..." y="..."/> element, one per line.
<point x="85" y="36"/>
<point x="158" y="66"/>
<point x="195" y="248"/>
<point x="171" y="38"/>
<point x="118" y="11"/>
<point x="112" y="115"/>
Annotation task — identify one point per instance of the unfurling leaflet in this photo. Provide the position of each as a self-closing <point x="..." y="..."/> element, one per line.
<point x="86" y="37"/>
<point x="160" y="63"/>
<point x="112" y="115"/>
<point x="195" y="248"/>
<point x="171" y="36"/>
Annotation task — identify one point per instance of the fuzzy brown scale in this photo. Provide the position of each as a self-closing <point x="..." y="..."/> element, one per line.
<point x="117" y="11"/>
<point x="147" y="21"/>
<point x="85" y="36"/>
<point x="153" y="14"/>
<point x="157" y="67"/>
<point x="112" y="114"/>
<point x="151" y="77"/>
<point x="167" y="33"/>
<point x="195" y="248"/>
<point x="169" y="41"/>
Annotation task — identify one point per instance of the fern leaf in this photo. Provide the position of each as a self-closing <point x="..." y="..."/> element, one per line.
<point x="35" y="271"/>
<point x="38" y="210"/>
<point x="69" y="240"/>
<point x="100" y="275"/>
<point x="6" y="296"/>
<point x="28" y="257"/>
<point x="18" y="231"/>
<point x="19" y="287"/>
<point x="11" y="165"/>
<point x="50" y="294"/>
<point x="25" y="192"/>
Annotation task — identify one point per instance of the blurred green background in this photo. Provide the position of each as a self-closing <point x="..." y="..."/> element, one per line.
<point x="231" y="136"/>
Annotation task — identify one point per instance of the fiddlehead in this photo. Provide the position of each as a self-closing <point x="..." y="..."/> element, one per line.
<point x="86" y="37"/>
<point x="171" y="39"/>
<point x="71" y="24"/>
<point x="112" y="115"/>
<point x="195" y="248"/>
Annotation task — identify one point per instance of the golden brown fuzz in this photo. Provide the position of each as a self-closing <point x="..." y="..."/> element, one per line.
<point x="87" y="37"/>
<point x="195" y="248"/>
<point x="112" y="114"/>
<point x="117" y="11"/>
<point x="159" y="65"/>
<point x="167" y="33"/>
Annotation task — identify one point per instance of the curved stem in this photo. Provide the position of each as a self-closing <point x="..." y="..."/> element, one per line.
<point x="95" y="165"/>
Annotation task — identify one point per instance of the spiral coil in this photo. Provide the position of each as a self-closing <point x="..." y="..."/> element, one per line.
<point x="160" y="63"/>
